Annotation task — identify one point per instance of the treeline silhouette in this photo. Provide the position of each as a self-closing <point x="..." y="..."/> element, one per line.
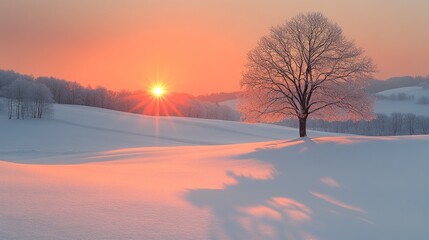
<point x="141" y="102"/>
<point x="219" y="97"/>
<point x="422" y="100"/>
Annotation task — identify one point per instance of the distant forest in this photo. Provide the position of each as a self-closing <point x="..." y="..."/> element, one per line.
<point x="68" y="92"/>
<point x="383" y="125"/>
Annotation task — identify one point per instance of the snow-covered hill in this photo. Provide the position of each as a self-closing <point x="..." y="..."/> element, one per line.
<point x="230" y="103"/>
<point x="98" y="174"/>
<point x="417" y="102"/>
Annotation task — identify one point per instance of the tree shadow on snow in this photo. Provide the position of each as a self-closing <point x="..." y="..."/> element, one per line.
<point x="318" y="191"/>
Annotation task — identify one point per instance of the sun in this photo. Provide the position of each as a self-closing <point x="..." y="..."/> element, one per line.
<point x="158" y="91"/>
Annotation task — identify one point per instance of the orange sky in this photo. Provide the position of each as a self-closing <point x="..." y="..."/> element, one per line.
<point x="196" y="46"/>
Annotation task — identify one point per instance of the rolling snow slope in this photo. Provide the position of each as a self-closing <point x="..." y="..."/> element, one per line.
<point x="80" y="129"/>
<point x="409" y="106"/>
<point x="89" y="173"/>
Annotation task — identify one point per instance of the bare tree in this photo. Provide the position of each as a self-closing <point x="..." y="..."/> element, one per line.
<point x="58" y="88"/>
<point x="16" y="95"/>
<point x="41" y="98"/>
<point x="10" y="101"/>
<point x="423" y="122"/>
<point x="397" y="122"/>
<point x="410" y="120"/>
<point x="306" y="67"/>
<point x="26" y="98"/>
<point x="381" y="125"/>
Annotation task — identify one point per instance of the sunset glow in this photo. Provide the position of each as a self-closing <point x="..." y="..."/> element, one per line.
<point x="158" y="91"/>
<point x="200" y="45"/>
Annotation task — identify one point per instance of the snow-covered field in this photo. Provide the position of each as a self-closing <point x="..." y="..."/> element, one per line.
<point x="89" y="173"/>
<point x="79" y="129"/>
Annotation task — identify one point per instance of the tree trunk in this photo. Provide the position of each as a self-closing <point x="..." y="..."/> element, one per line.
<point x="303" y="127"/>
<point x="10" y="109"/>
